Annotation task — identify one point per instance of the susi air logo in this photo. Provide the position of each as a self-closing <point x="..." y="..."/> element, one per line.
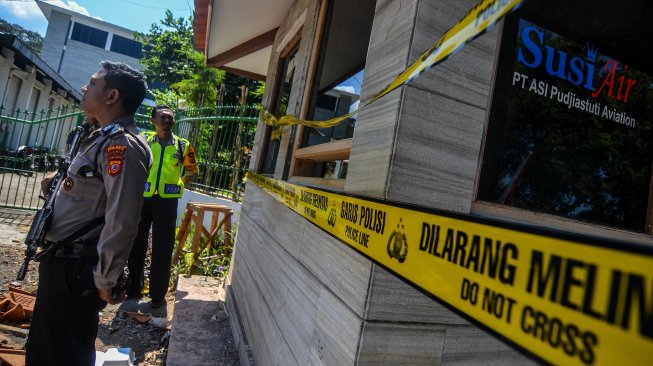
<point x="575" y="70"/>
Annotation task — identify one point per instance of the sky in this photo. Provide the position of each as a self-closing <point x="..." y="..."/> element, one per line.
<point x="136" y="15"/>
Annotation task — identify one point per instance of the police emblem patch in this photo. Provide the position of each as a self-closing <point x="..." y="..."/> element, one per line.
<point x="397" y="245"/>
<point x="68" y="184"/>
<point x="116" y="152"/>
<point x="115" y="167"/>
<point x="333" y="214"/>
<point x="115" y="157"/>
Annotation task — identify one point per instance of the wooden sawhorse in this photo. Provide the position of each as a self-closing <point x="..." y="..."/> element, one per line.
<point x="195" y="212"/>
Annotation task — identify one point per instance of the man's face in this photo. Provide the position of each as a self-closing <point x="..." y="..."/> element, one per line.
<point x="163" y="121"/>
<point x="96" y="95"/>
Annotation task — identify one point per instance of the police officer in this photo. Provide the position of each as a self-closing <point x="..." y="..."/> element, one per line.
<point x="95" y="220"/>
<point x="173" y="166"/>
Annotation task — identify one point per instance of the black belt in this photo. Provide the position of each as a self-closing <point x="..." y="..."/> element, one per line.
<point x="77" y="249"/>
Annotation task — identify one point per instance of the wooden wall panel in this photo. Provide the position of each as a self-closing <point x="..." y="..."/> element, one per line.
<point x="436" y="152"/>
<point x="336" y="335"/>
<point x="396" y="344"/>
<point x="388" y="53"/>
<point x="264" y="336"/>
<point x="289" y="291"/>
<point x="470" y="346"/>
<point x="391" y="299"/>
<point x="466" y="76"/>
<point x="342" y="270"/>
<point x="279" y="222"/>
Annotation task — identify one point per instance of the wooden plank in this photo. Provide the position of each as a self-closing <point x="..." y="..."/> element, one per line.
<point x="337" y="150"/>
<point x="389" y="293"/>
<point x="401" y="344"/>
<point x="322" y="183"/>
<point x="246" y="48"/>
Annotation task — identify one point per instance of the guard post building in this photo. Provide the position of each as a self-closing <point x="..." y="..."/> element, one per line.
<point x="544" y="122"/>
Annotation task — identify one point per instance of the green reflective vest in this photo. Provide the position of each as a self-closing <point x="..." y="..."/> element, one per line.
<point x="166" y="172"/>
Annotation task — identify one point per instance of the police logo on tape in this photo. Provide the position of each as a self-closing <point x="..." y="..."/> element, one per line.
<point x="397" y="244"/>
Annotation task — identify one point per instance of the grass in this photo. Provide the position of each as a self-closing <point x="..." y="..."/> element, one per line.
<point x="214" y="261"/>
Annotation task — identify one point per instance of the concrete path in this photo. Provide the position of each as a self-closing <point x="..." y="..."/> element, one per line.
<point x="200" y="332"/>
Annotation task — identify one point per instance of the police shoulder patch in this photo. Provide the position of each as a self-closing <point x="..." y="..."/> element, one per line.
<point x="115" y="158"/>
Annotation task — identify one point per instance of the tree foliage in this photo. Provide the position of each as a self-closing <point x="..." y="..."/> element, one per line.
<point x="169" y="57"/>
<point x="168" y="50"/>
<point x="31" y="39"/>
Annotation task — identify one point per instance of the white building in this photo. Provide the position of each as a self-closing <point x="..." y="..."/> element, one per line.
<point x="30" y="89"/>
<point x="75" y="44"/>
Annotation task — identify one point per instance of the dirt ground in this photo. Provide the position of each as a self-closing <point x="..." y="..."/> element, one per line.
<point x="116" y="329"/>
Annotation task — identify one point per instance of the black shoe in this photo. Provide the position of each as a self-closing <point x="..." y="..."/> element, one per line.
<point x="156" y="309"/>
<point x="130" y="305"/>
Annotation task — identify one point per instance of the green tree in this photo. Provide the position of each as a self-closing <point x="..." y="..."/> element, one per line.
<point x="201" y="87"/>
<point x="33" y="40"/>
<point x="168" y="49"/>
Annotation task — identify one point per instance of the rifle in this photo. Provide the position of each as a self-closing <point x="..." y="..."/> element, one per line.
<point x="41" y="222"/>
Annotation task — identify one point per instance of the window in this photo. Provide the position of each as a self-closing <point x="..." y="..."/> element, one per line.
<point x="569" y="130"/>
<point x="280" y="106"/>
<point x="126" y="46"/>
<point x="89" y="35"/>
<point x="335" y="89"/>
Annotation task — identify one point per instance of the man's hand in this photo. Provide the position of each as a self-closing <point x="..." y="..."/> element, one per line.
<point x="46" y="182"/>
<point x="106" y="295"/>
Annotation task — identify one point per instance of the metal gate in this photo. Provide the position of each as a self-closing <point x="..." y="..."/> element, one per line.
<point x="31" y="143"/>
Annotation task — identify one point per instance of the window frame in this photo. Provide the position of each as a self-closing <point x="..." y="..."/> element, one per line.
<point x="303" y="159"/>
<point x="123" y="41"/>
<point x="531" y="217"/>
<point x="292" y="47"/>
<point x="92" y="31"/>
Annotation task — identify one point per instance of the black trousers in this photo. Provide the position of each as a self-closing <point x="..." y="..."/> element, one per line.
<point x="65" y="321"/>
<point x="161" y="214"/>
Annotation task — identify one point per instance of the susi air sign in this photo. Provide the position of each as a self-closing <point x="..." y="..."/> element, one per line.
<point x="607" y="83"/>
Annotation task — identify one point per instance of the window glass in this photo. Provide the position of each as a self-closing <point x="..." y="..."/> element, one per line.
<point x="339" y="75"/>
<point x="126" y="46"/>
<point x="337" y="101"/>
<point x="280" y="108"/>
<point x="89" y="35"/>
<point x="570" y="129"/>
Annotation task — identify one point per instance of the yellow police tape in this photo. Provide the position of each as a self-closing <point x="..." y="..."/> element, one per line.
<point x="477" y="21"/>
<point x="565" y="299"/>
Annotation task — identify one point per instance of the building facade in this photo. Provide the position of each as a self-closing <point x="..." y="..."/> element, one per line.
<point x="75" y="44"/>
<point x="543" y="121"/>
<point x="30" y="89"/>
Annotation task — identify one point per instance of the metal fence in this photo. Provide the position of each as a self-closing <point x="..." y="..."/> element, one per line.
<point x="30" y="144"/>
<point x="29" y="147"/>
<point x="223" y="139"/>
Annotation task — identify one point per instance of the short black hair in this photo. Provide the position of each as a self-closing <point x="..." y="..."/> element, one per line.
<point x="129" y="82"/>
<point x="159" y="107"/>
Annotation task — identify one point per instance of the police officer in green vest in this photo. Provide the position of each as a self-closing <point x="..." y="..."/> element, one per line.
<point x="173" y="166"/>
